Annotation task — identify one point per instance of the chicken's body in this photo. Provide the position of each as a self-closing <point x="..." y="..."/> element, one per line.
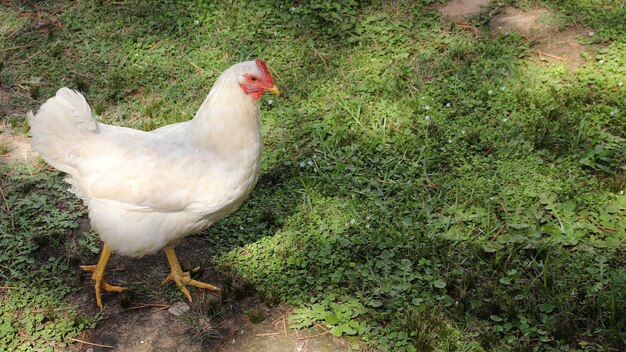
<point x="147" y="190"/>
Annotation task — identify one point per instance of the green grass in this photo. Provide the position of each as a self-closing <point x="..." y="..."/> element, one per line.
<point x="39" y="218"/>
<point x="423" y="186"/>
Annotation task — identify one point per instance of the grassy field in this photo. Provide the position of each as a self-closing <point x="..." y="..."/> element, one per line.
<point x="424" y="186"/>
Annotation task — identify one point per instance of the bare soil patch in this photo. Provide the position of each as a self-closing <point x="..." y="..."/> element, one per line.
<point x="549" y="43"/>
<point x="524" y="22"/>
<point x="457" y="10"/>
<point x="14" y="147"/>
<point x="564" y="47"/>
<point x="146" y="325"/>
<point x="7" y="103"/>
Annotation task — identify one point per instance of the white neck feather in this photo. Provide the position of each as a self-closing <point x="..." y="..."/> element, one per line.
<point x="227" y="124"/>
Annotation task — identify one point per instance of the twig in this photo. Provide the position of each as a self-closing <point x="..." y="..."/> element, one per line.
<point x="61" y="9"/>
<point x="325" y="331"/>
<point x="494" y="11"/>
<point x="268" y="334"/>
<point x="15" y="31"/>
<point x="80" y="347"/>
<point x="550" y="55"/>
<point x="321" y="327"/>
<point x="285" y="325"/>
<point x="146" y="305"/>
<point x="7" y="287"/>
<point x="506" y="211"/>
<point x="429" y="184"/>
<point x="89" y="343"/>
<point x="468" y="26"/>
<point x="97" y="335"/>
<point x="158" y="44"/>
<point x="160" y="309"/>
<point x="16" y="47"/>
<point x="320" y="56"/>
<point x="218" y="347"/>
<point x="313" y="336"/>
<point x="621" y="242"/>
<point x="245" y="250"/>
<point x="603" y="228"/>
<point x="33" y="55"/>
<point x="279" y="318"/>
<point x="499" y="231"/>
<point x="274" y="73"/>
<point x="199" y="69"/>
<point x="119" y="268"/>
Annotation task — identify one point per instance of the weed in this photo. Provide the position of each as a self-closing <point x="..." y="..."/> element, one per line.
<point x="5" y="149"/>
<point x="149" y="287"/>
<point x="28" y="282"/>
<point x="243" y="290"/>
<point x="201" y="327"/>
<point x="212" y="306"/>
<point x="256" y="316"/>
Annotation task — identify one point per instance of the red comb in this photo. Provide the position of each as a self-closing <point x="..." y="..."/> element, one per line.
<point x="264" y="71"/>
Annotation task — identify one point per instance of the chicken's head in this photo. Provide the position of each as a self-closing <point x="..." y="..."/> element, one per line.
<point x="258" y="81"/>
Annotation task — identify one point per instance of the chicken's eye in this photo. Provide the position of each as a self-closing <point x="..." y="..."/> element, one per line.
<point x="253" y="78"/>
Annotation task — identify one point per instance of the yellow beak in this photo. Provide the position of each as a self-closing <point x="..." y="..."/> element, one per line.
<point x="273" y="90"/>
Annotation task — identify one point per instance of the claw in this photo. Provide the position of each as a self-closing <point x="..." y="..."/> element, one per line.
<point x="98" y="275"/>
<point x="183" y="278"/>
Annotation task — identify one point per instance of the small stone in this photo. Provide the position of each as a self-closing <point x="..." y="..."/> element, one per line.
<point x="179" y="308"/>
<point x="89" y="349"/>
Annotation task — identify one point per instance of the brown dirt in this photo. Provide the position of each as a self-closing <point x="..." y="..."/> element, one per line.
<point x="564" y="47"/>
<point x="153" y="328"/>
<point x="14" y="147"/>
<point x="7" y="107"/>
<point x="4" y="96"/>
<point x="457" y="10"/>
<point x="524" y="22"/>
<point x="550" y="45"/>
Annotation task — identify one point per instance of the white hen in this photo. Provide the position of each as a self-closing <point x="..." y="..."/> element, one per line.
<point x="147" y="190"/>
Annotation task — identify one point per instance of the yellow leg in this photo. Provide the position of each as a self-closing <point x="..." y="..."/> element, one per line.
<point x="182" y="278"/>
<point x="98" y="275"/>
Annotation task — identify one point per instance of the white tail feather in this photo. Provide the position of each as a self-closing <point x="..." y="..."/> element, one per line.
<point x="62" y="124"/>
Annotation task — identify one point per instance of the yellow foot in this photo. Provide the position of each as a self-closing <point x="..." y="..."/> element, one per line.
<point x="183" y="278"/>
<point x="98" y="275"/>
